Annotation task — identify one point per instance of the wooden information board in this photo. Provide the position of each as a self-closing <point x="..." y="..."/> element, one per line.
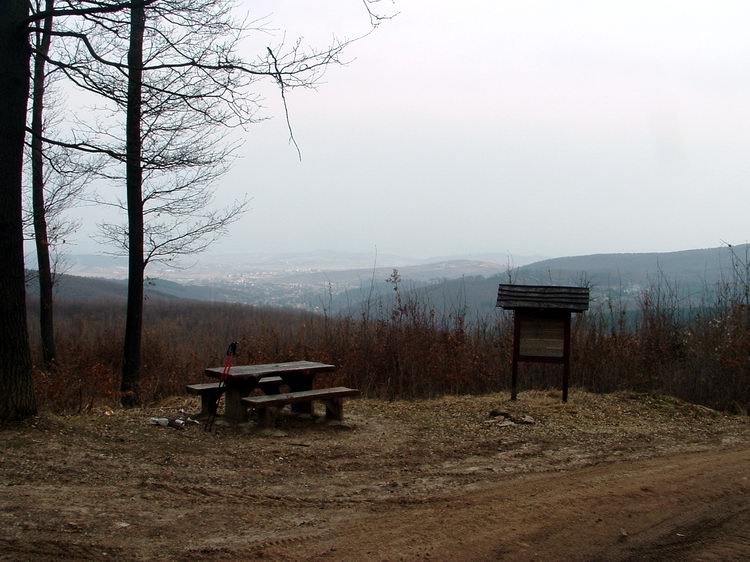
<point x="541" y="325"/>
<point x="542" y="337"/>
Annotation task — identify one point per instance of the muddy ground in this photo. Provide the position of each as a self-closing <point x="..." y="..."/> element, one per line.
<point x="605" y="477"/>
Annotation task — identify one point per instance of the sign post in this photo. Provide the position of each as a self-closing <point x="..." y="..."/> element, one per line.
<point x="541" y="325"/>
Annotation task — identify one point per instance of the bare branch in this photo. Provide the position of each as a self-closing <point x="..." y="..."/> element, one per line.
<point x="97" y="8"/>
<point x="280" y="82"/>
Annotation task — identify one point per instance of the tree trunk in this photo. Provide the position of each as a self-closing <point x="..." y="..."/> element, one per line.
<point x="37" y="183"/>
<point x="16" y="386"/>
<point x="131" y="366"/>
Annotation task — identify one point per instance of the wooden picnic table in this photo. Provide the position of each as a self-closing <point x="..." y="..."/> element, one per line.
<point x="242" y="379"/>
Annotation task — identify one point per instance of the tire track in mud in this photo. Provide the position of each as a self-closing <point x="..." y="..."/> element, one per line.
<point x="250" y="550"/>
<point x="280" y="499"/>
<point x="623" y="511"/>
<point x="43" y="550"/>
<point x="721" y="534"/>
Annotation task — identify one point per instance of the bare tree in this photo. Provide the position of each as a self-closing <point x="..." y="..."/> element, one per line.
<point x="42" y="43"/>
<point x="288" y="66"/>
<point x="16" y="386"/>
<point x="170" y="150"/>
<point x="57" y="180"/>
<point x="181" y="85"/>
<point x="17" y="399"/>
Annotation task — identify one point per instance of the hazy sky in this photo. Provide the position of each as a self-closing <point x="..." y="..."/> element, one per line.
<point x="534" y="127"/>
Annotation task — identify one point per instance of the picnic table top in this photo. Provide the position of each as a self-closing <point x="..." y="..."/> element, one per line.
<point x="259" y="371"/>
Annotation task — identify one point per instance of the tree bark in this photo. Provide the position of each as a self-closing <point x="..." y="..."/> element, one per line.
<point x="37" y="183"/>
<point x="16" y="385"/>
<point x="131" y="366"/>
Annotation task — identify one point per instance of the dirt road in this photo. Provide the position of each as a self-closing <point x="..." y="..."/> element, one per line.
<point x="683" y="507"/>
<point x="613" y="477"/>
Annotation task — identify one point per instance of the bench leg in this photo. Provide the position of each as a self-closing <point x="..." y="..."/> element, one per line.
<point x="209" y="401"/>
<point x="266" y="417"/>
<point x="335" y="409"/>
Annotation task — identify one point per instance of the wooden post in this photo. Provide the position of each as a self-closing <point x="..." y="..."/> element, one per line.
<point x="234" y="409"/>
<point x="209" y="402"/>
<point x="267" y="417"/>
<point x="335" y="409"/>
<point x="516" y="348"/>
<point x="566" y="359"/>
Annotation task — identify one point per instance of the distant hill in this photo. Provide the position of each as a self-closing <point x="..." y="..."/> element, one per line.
<point x="305" y="289"/>
<point x="73" y="287"/>
<point x="689" y="272"/>
<point x="447" y="286"/>
<point x="77" y="288"/>
<point x="688" y="266"/>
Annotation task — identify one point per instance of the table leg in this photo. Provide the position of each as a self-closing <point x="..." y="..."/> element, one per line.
<point x="297" y="384"/>
<point x="234" y="409"/>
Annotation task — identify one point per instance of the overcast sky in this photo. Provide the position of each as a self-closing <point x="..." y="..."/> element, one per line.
<point x="535" y="127"/>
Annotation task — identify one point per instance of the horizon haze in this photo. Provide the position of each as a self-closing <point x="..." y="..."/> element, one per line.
<point x="531" y="129"/>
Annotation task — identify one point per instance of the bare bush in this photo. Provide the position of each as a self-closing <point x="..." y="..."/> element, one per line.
<point x="406" y="349"/>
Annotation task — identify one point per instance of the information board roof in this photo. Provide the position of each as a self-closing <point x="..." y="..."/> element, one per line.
<point x="543" y="297"/>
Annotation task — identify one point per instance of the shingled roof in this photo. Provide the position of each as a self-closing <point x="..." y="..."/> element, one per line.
<point x="547" y="297"/>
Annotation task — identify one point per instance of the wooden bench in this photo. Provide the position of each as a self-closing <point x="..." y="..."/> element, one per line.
<point x="211" y="391"/>
<point x="268" y="405"/>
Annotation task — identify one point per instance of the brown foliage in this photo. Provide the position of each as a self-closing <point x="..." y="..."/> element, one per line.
<point x="407" y="351"/>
